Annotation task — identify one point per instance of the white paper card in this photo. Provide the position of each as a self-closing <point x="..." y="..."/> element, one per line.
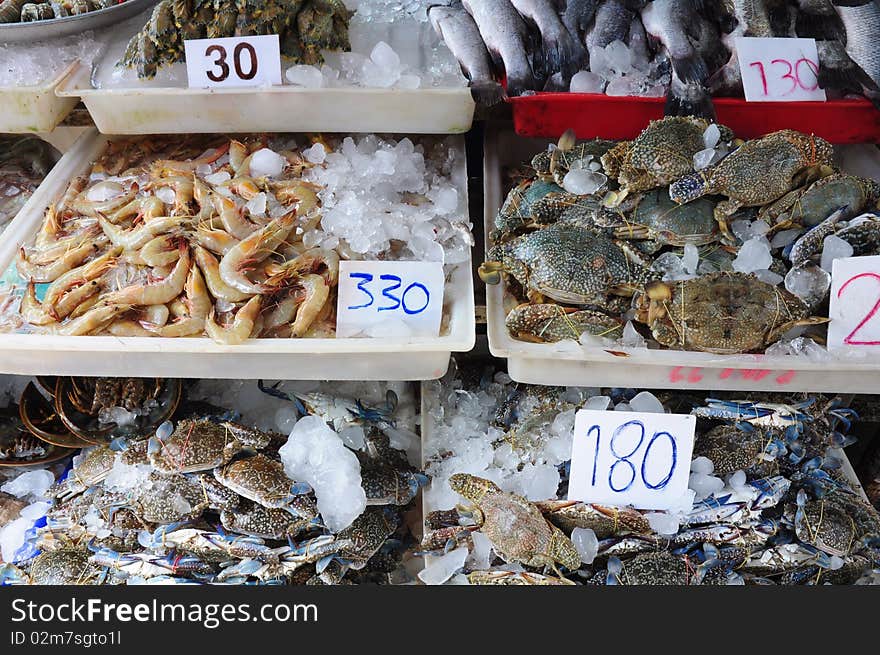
<point x="233" y="62"/>
<point x="855" y="303"/>
<point x="631" y="458"/>
<point x="779" y="69"/>
<point x="389" y="299"/>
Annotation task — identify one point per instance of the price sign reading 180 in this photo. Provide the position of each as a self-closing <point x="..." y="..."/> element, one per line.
<point x="389" y="299"/>
<point x="234" y="61"/>
<point x="779" y="69"/>
<point x="631" y="458"/>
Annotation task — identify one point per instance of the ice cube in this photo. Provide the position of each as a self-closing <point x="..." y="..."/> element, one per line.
<point x="704" y="158"/>
<point x="30" y="484"/>
<point x="586" y="544"/>
<point x="353" y="436"/>
<point x="481" y="556"/>
<point x="166" y="195"/>
<point x="768" y="276"/>
<point x="702" y="465"/>
<point x="384" y="56"/>
<point x="622" y="407"/>
<point x="754" y="255"/>
<point x="583" y="182"/>
<point x="267" y="163"/>
<point x="306" y="76"/>
<point x="808" y="282"/>
<point x="218" y="178"/>
<point x="704" y="485"/>
<point x="711" y="136"/>
<point x="598" y="403"/>
<point x="444" y="567"/>
<point x="316" y="154"/>
<point x="256" y="206"/>
<point x="314" y="453"/>
<point x="104" y="191"/>
<point x="663" y="523"/>
<point x="691" y="259"/>
<point x="285" y="418"/>
<point x="587" y="82"/>
<point x="834" y="248"/>
<point x="409" y="81"/>
<point x="645" y="401"/>
<point x="631" y="337"/>
<point x="737" y="480"/>
<point x="670" y="266"/>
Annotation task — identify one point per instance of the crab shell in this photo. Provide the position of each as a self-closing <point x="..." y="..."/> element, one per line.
<point x="259" y="479"/>
<point x="730" y="448"/>
<point x="515" y="526"/>
<point x="255" y="520"/>
<point x="549" y="323"/>
<point x="169" y="498"/>
<point x="660" y="568"/>
<point x="722" y="312"/>
<point x="66" y="566"/>
<point x="567" y="263"/>
<point x="604" y="521"/>
<point x="195" y="445"/>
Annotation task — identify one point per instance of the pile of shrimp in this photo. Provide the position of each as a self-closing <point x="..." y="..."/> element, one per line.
<point x="160" y="239"/>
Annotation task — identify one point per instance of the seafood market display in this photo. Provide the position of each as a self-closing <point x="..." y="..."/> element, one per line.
<point x="373" y="43"/>
<point x="295" y="483"/>
<point x="24" y="162"/>
<point x="232" y="238"/>
<point x="682" y="49"/>
<point x="685" y="238"/>
<point x="14" y="11"/>
<point x="304" y="29"/>
<point x="767" y="502"/>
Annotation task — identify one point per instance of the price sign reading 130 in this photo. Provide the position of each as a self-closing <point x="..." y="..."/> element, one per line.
<point x="779" y="70"/>
<point x="631" y="458"/>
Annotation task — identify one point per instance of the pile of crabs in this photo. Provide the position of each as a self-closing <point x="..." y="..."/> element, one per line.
<point x="685" y="234"/>
<point x="768" y="502"/>
<point x="189" y="494"/>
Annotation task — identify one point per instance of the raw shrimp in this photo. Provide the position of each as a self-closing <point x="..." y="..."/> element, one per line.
<point x="211" y="270"/>
<point x="162" y="291"/>
<point x="253" y="250"/>
<point x="242" y="325"/>
<point x="139" y="237"/>
<point x="198" y="305"/>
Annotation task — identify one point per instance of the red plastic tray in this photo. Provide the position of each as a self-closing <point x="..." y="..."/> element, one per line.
<point x="621" y="117"/>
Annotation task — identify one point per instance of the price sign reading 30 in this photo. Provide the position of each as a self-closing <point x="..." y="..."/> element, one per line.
<point x="779" y="70"/>
<point x="631" y="458"/>
<point x="389" y="299"/>
<point x="233" y="61"/>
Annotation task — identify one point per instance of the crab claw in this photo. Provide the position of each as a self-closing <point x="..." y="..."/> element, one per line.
<point x="614" y="568"/>
<point x="154" y="446"/>
<point x="490" y="272"/>
<point x="300" y="489"/>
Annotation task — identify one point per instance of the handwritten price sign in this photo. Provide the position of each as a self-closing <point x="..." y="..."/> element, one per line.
<point x="855" y="302"/>
<point x="775" y="70"/>
<point x="371" y="293"/>
<point x="631" y="458"/>
<point x="234" y="61"/>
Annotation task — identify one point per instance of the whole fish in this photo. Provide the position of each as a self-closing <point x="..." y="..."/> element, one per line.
<point x="560" y="51"/>
<point x="838" y="71"/>
<point x="461" y="35"/>
<point x="688" y="99"/>
<point x="672" y="22"/>
<point x="861" y="19"/>
<point x="507" y="39"/>
<point x="577" y="16"/>
<point x="612" y="23"/>
<point x="752" y="17"/>
<point x="816" y="19"/>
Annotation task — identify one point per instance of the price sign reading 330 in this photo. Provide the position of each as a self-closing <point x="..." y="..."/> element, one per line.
<point x="779" y="69"/>
<point x="631" y="458"/>
<point x="389" y="299"/>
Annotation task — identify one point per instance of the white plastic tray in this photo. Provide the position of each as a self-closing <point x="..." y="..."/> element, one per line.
<point x="569" y="363"/>
<point x="172" y="110"/>
<point x="301" y="359"/>
<point x="35" y="108"/>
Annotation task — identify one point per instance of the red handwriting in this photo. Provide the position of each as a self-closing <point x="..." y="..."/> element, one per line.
<point x="850" y="340"/>
<point x="792" y="74"/>
<point x="694" y="375"/>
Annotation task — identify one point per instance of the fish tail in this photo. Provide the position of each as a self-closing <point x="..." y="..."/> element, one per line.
<point x="691" y="69"/>
<point x="694" y="103"/>
<point x="848" y="79"/>
<point x="488" y="93"/>
<point x="814" y="26"/>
